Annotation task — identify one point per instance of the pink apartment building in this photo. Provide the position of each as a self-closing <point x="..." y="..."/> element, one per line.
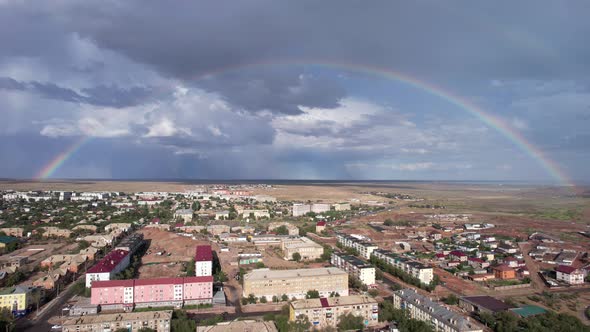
<point x="125" y="294"/>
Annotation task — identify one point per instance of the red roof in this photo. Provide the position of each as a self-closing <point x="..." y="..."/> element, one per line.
<point x="503" y="268"/>
<point x="440" y="255"/>
<point x="475" y="259"/>
<point x="321" y="223"/>
<point x="324" y="302"/>
<point x="565" y="269"/>
<point x="158" y="281"/>
<point x="203" y="253"/>
<point x="457" y="253"/>
<point x="113" y="283"/>
<point x="188" y="280"/>
<point x="109" y="262"/>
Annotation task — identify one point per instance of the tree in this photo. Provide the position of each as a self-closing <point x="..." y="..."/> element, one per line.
<point x="388" y="222"/>
<point x="182" y="323"/>
<point x="312" y="294"/>
<point x="146" y="329"/>
<point x="297" y="257"/>
<point x="284" y="298"/>
<point x="83" y="245"/>
<point x="451" y="299"/>
<point x="350" y="322"/>
<point x="275" y="299"/>
<point x="263" y="299"/>
<point x="281" y="230"/>
<point x="251" y="299"/>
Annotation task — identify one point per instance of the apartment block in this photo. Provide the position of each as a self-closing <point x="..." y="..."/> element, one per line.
<point x="326" y="312"/>
<point x="56" y="232"/>
<point x="203" y="261"/>
<point x="362" y="247"/>
<point x="131" y="243"/>
<point x="160" y="292"/>
<point x="133" y="322"/>
<point x="295" y="283"/>
<point x="341" y="206"/>
<point x="320" y="207"/>
<point x="18" y="300"/>
<point x="440" y="317"/>
<point x="301" y="209"/>
<point x="308" y="249"/>
<point x="355" y="268"/>
<point x="185" y="215"/>
<point x="111" y="264"/>
<point x="418" y="270"/>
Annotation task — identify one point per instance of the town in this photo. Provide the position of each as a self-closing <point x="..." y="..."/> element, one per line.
<point x="223" y="257"/>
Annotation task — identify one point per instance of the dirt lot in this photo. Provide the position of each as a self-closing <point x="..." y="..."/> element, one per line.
<point x="180" y="248"/>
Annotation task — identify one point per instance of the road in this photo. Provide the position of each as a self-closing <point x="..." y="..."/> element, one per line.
<point x="38" y="322"/>
<point x="532" y="266"/>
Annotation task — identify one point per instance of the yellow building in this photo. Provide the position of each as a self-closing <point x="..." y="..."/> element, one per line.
<point x="295" y="283"/>
<point x="326" y="312"/>
<point x="18" y="299"/>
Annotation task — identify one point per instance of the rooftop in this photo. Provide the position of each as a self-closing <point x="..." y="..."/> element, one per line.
<point x="7" y="239"/>
<point x="147" y="282"/>
<point x="565" y="269"/>
<point x="442" y="314"/>
<point x="239" y="326"/>
<point x="106" y="318"/>
<point x="261" y="274"/>
<point x="109" y="262"/>
<point x="203" y="253"/>
<point x="333" y="302"/>
<point x="487" y="302"/>
<point x="528" y="310"/>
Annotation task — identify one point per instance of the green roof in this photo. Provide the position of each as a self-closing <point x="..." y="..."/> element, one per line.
<point x="7" y="239"/>
<point x="529" y="310"/>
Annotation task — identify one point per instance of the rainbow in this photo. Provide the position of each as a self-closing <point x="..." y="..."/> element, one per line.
<point x="462" y="103"/>
<point x="48" y="170"/>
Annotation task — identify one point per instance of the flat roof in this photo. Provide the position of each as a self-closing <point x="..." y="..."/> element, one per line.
<point x="261" y="274"/>
<point x="105" y="318"/>
<point x="487" y="302"/>
<point x="333" y="302"/>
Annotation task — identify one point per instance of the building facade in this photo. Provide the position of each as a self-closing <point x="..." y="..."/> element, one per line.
<point x="133" y="322"/>
<point x="364" y="248"/>
<point x="111" y="264"/>
<point x="569" y="274"/>
<point x="306" y="248"/>
<point x="203" y="261"/>
<point x="295" y="283"/>
<point x="416" y="269"/>
<point x="355" y="267"/>
<point x="326" y="312"/>
<point x="441" y="319"/>
<point x="159" y="292"/>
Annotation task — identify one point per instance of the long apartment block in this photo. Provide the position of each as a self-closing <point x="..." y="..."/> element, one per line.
<point x="418" y="270"/>
<point x="355" y="267"/>
<point x="440" y="317"/>
<point x="295" y="283"/>
<point x="160" y="292"/>
<point x="364" y="248"/>
<point x="326" y="312"/>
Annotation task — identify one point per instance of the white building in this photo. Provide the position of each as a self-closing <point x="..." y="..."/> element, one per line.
<point x="569" y="274"/>
<point x="113" y="263"/>
<point x="341" y="206"/>
<point x="320" y="207"/>
<point x="416" y="269"/>
<point x="185" y="214"/>
<point x="362" y="247"/>
<point x="355" y="268"/>
<point x="203" y="261"/>
<point x="438" y="316"/>
<point x="301" y="209"/>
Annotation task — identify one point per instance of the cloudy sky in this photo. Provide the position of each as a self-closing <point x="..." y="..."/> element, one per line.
<point x="281" y="89"/>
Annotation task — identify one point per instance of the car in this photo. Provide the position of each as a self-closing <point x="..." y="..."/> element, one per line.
<point x="56" y="327"/>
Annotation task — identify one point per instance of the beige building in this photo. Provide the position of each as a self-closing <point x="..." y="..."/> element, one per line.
<point x="13" y="231"/>
<point x="341" y="206"/>
<point x="91" y="228"/>
<point x="240" y="326"/>
<point x="308" y="249"/>
<point x="133" y="322"/>
<point x="292" y="229"/>
<point x="122" y="226"/>
<point x="295" y="283"/>
<point x="326" y="312"/>
<point x="56" y="232"/>
<point x="218" y="229"/>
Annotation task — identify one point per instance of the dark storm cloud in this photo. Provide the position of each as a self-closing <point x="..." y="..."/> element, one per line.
<point x="102" y="95"/>
<point x="274" y="89"/>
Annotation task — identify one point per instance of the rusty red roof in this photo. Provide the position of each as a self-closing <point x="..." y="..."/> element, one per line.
<point x="109" y="262"/>
<point x="203" y="253"/>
